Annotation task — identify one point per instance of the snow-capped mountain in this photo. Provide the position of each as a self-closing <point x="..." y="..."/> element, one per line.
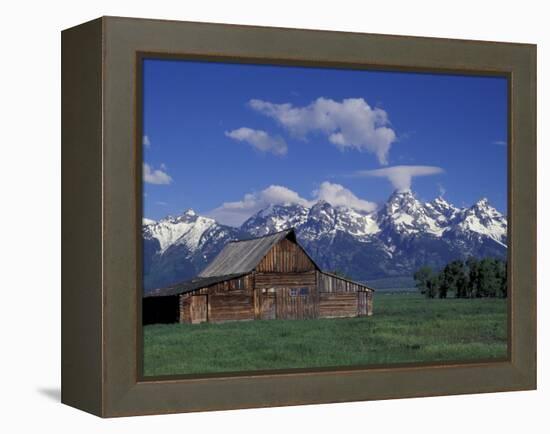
<point x="441" y="210"/>
<point x="184" y="229"/>
<point x="402" y="235"/>
<point x="177" y="248"/>
<point x="275" y="218"/>
<point x="484" y="220"/>
<point x="404" y="215"/>
<point x="321" y="220"/>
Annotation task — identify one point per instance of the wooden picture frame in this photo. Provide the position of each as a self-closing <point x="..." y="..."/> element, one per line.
<point x="101" y="202"/>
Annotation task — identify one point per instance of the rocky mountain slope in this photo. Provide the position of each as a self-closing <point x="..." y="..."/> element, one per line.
<point x="402" y="235"/>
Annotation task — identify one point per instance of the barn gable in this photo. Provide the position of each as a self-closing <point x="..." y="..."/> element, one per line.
<point x="241" y="257"/>
<point x="286" y="256"/>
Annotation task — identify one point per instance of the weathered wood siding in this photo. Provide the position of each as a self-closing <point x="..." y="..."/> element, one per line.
<point x="285" y="285"/>
<point x="290" y="304"/>
<point x="337" y="305"/>
<point x="230" y="307"/>
<point x="285" y="257"/>
<point x="245" y="282"/>
<point x="267" y="305"/>
<point x="232" y="300"/>
<point x="328" y="283"/>
<point x="284" y="280"/>
<point x="362" y="303"/>
<point x="185" y="308"/>
<point x="198" y="309"/>
<point x="225" y="301"/>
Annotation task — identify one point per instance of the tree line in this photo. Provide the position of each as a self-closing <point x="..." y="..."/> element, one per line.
<point x="472" y="278"/>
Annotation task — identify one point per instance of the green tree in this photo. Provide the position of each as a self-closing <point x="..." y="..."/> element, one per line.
<point x="502" y="272"/>
<point x="453" y="278"/>
<point x="489" y="280"/>
<point x="473" y="277"/>
<point x="442" y="287"/>
<point x="462" y="284"/>
<point x="432" y="285"/>
<point x="421" y="277"/>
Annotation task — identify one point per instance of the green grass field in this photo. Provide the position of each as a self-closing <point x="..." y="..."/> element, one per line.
<point x="404" y="328"/>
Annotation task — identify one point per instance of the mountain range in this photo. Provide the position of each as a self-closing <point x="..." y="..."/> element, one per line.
<point x="402" y="235"/>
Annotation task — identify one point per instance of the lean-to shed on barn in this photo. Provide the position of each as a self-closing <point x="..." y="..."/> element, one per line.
<point x="271" y="277"/>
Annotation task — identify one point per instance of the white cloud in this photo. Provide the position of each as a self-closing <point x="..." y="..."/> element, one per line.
<point x="156" y="176"/>
<point x="235" y="213"/>
<point x="500" y="142"/>
<point x="338" y="195"/>
<point x="349" y="124"/>
<point x="146" y="141"/>
<point x="401" y="176"/>
<point x="260" y="140"/>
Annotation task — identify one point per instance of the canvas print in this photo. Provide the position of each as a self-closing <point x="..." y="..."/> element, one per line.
<point x="313" y="217"/>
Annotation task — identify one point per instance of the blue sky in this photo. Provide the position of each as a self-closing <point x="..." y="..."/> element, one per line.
<point x="245" y="135"/>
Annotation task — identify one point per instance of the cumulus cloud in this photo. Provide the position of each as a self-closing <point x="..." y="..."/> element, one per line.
<point x="235" y="213"/>
<point x="349" y="124"/>
<point x="156" y="176"/>
<point x="260" y="140"/>
<point x="401" y="176"/>
<point x="338" y="195"/>
<point x="146" y="141"/>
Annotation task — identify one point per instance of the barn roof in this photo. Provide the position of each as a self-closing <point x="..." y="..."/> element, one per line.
<point x="346" y="279"/>
<point x="243" y="256"/>
<point x="190" y="285"/>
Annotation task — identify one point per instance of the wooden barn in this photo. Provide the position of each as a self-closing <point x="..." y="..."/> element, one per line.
<point x="271" y="277"/>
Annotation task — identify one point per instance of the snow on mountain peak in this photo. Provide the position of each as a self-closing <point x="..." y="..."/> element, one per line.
<point x="482" y="202"/>
<point x="402" y="198"/>
<point x="403" y="215"/>
<point x="319" y="220"/>
<point x="484" y="209"/>
<point x="483" y="219"/>
<point x="184" y="229"/>
<point x="441" y="202"/>
<point x="275" y="218"/>
<point x="406" y="215"/>
<point x="360" y="225"/>
<point x="441" y="211"/>
<point x="322" y="207"/>
<point x="266" y="212"/>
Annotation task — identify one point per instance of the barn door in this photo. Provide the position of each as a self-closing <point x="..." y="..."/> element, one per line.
<point x="296" y="303"/>
<point x="199" y="309"/>
<point x="268" y="310"/>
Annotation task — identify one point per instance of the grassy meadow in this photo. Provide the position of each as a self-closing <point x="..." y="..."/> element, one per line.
<point x="404" y="328"/>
